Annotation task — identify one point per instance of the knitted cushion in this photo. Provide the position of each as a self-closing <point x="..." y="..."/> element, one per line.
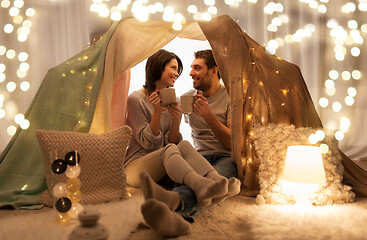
<point x="101" y="163"/>
<point x="271" y="143"/>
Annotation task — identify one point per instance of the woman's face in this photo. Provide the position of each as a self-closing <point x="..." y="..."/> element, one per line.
<point x="169" y="75"/>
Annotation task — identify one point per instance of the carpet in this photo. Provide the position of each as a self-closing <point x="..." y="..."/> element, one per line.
<point x="236" y="218"/>
<point x="295" y="222"/>
<point x="120" y="218"/>
<point x="240" y="218"/>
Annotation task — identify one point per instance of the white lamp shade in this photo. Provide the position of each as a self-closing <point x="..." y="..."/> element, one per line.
<point x="303" y="164"/>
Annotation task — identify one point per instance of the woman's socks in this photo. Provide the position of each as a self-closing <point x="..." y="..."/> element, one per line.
<point x="205" y="188"/>
<point x="160" y="218"/>
<point x="151" y="190"/>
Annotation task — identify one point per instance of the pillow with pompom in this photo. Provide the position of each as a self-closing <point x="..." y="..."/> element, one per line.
<point x="271" y="143"/>
<point x="102" y="173"/>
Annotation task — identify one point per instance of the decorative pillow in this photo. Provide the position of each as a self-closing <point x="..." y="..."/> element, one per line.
<point x="271" y="143"/>
<point x="101" y="163"/>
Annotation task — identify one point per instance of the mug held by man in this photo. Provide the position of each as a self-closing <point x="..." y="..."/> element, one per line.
<point x="186" y="103"/>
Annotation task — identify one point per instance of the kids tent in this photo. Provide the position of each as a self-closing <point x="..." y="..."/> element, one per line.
<point x="88" y="93"/>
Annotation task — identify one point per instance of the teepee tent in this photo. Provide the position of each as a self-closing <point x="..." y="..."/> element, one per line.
<point x="88" y="93"/>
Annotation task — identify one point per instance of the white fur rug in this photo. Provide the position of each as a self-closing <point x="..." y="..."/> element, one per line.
<point x="120" y="218"/>
<point x="291" y="222"/>
<point x="235" y="218"/>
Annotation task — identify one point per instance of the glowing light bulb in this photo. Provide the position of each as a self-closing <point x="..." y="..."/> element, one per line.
<point x="8" y="28"/>
<point x="11" y="130"/>
<point x="206" y="16"/>
<point x="337" y="107"/>
<point x="177" y="26"/>
<point x="192" y="9"/>
<point x="352" y="91"/>
<point x="320" y="135"/>
<point x="333" y="74"/>
<point x="312" y="139"/>
<point x="2" y="77"/>
<point x="22" y="56"/>
<point x="329" y="83"/>
<point x="19" y="118"/>
<point x="355" y="51"/>
<point x="339" y="135"/>
<point x="349" y="100"/>
<point x="2" y="67"/>
<point x="10" y="54"/>
<point x="346" y="75"/>
<point x="11" y="86"/>
<point x="330" y="91"/>
<point x="2" y="113"/>
<point x="356" y="74"/>
<point x="13" y="11"/>
<point x="25" y="124"/>
<point x="323" y="102"/>
<point x="324" y="148"/>
<point x="30" y="12"/>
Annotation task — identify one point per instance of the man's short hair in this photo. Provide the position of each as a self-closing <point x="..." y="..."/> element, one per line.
<point x="208" y="56"/>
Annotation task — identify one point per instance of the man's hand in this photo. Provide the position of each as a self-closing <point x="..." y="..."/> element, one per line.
<point x="201" y="106"/>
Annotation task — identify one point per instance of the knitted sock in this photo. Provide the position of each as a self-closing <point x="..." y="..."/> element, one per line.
<point x="160" y="218"/>
<point x="234" y="187"/>
<point x="151" y="190"/>
<point x="205" y="188"/>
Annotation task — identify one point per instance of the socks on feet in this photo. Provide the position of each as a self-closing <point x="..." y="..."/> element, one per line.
<point x="160" y="218"/>
<point x="234" y="188"/>
<point x="205" y="188"/>
<point x="151" y="190"/>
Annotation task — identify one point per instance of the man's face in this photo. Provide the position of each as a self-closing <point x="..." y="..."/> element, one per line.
<point x="201" y="75"/>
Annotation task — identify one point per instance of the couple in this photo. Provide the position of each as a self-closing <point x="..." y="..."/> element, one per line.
<point x="205" y="174"/>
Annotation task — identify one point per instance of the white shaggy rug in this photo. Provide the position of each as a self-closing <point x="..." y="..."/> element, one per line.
<point x="235" y="218"/>
<point x="292" y="222"/>
<point x="120" y="218"/>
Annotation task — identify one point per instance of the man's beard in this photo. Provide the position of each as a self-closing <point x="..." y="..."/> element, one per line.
<point x="204" y="85"/>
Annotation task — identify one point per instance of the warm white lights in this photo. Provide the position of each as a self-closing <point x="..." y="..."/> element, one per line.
<point x="192" y="9"/>
<point x="323" y="102"/>
<point x="356" y="74"/>
<point x="346" y="75"/>
<point x="352" y="91"/>
<point x="337" y="107"/>
<point x="333" y="74"/>
<point x="339" y="135"/>
<point x="15" y="66"/>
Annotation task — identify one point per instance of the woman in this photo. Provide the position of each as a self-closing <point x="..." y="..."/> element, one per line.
<point x="156" y="145"/>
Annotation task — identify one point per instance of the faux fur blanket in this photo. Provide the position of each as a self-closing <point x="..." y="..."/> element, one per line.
<point x="236" y="218"/>
<point x="120" y="218"/>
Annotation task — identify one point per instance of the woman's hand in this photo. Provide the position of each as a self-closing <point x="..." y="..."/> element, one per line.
<point x="155" y="100"/>
<point x="174" y="132"/>
<point x="175" y="112"/>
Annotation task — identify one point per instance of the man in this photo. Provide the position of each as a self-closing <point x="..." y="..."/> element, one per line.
<point x="210" y="122"/>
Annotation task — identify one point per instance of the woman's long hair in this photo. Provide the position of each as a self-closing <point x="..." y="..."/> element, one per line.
<point x="156" y="65"/>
